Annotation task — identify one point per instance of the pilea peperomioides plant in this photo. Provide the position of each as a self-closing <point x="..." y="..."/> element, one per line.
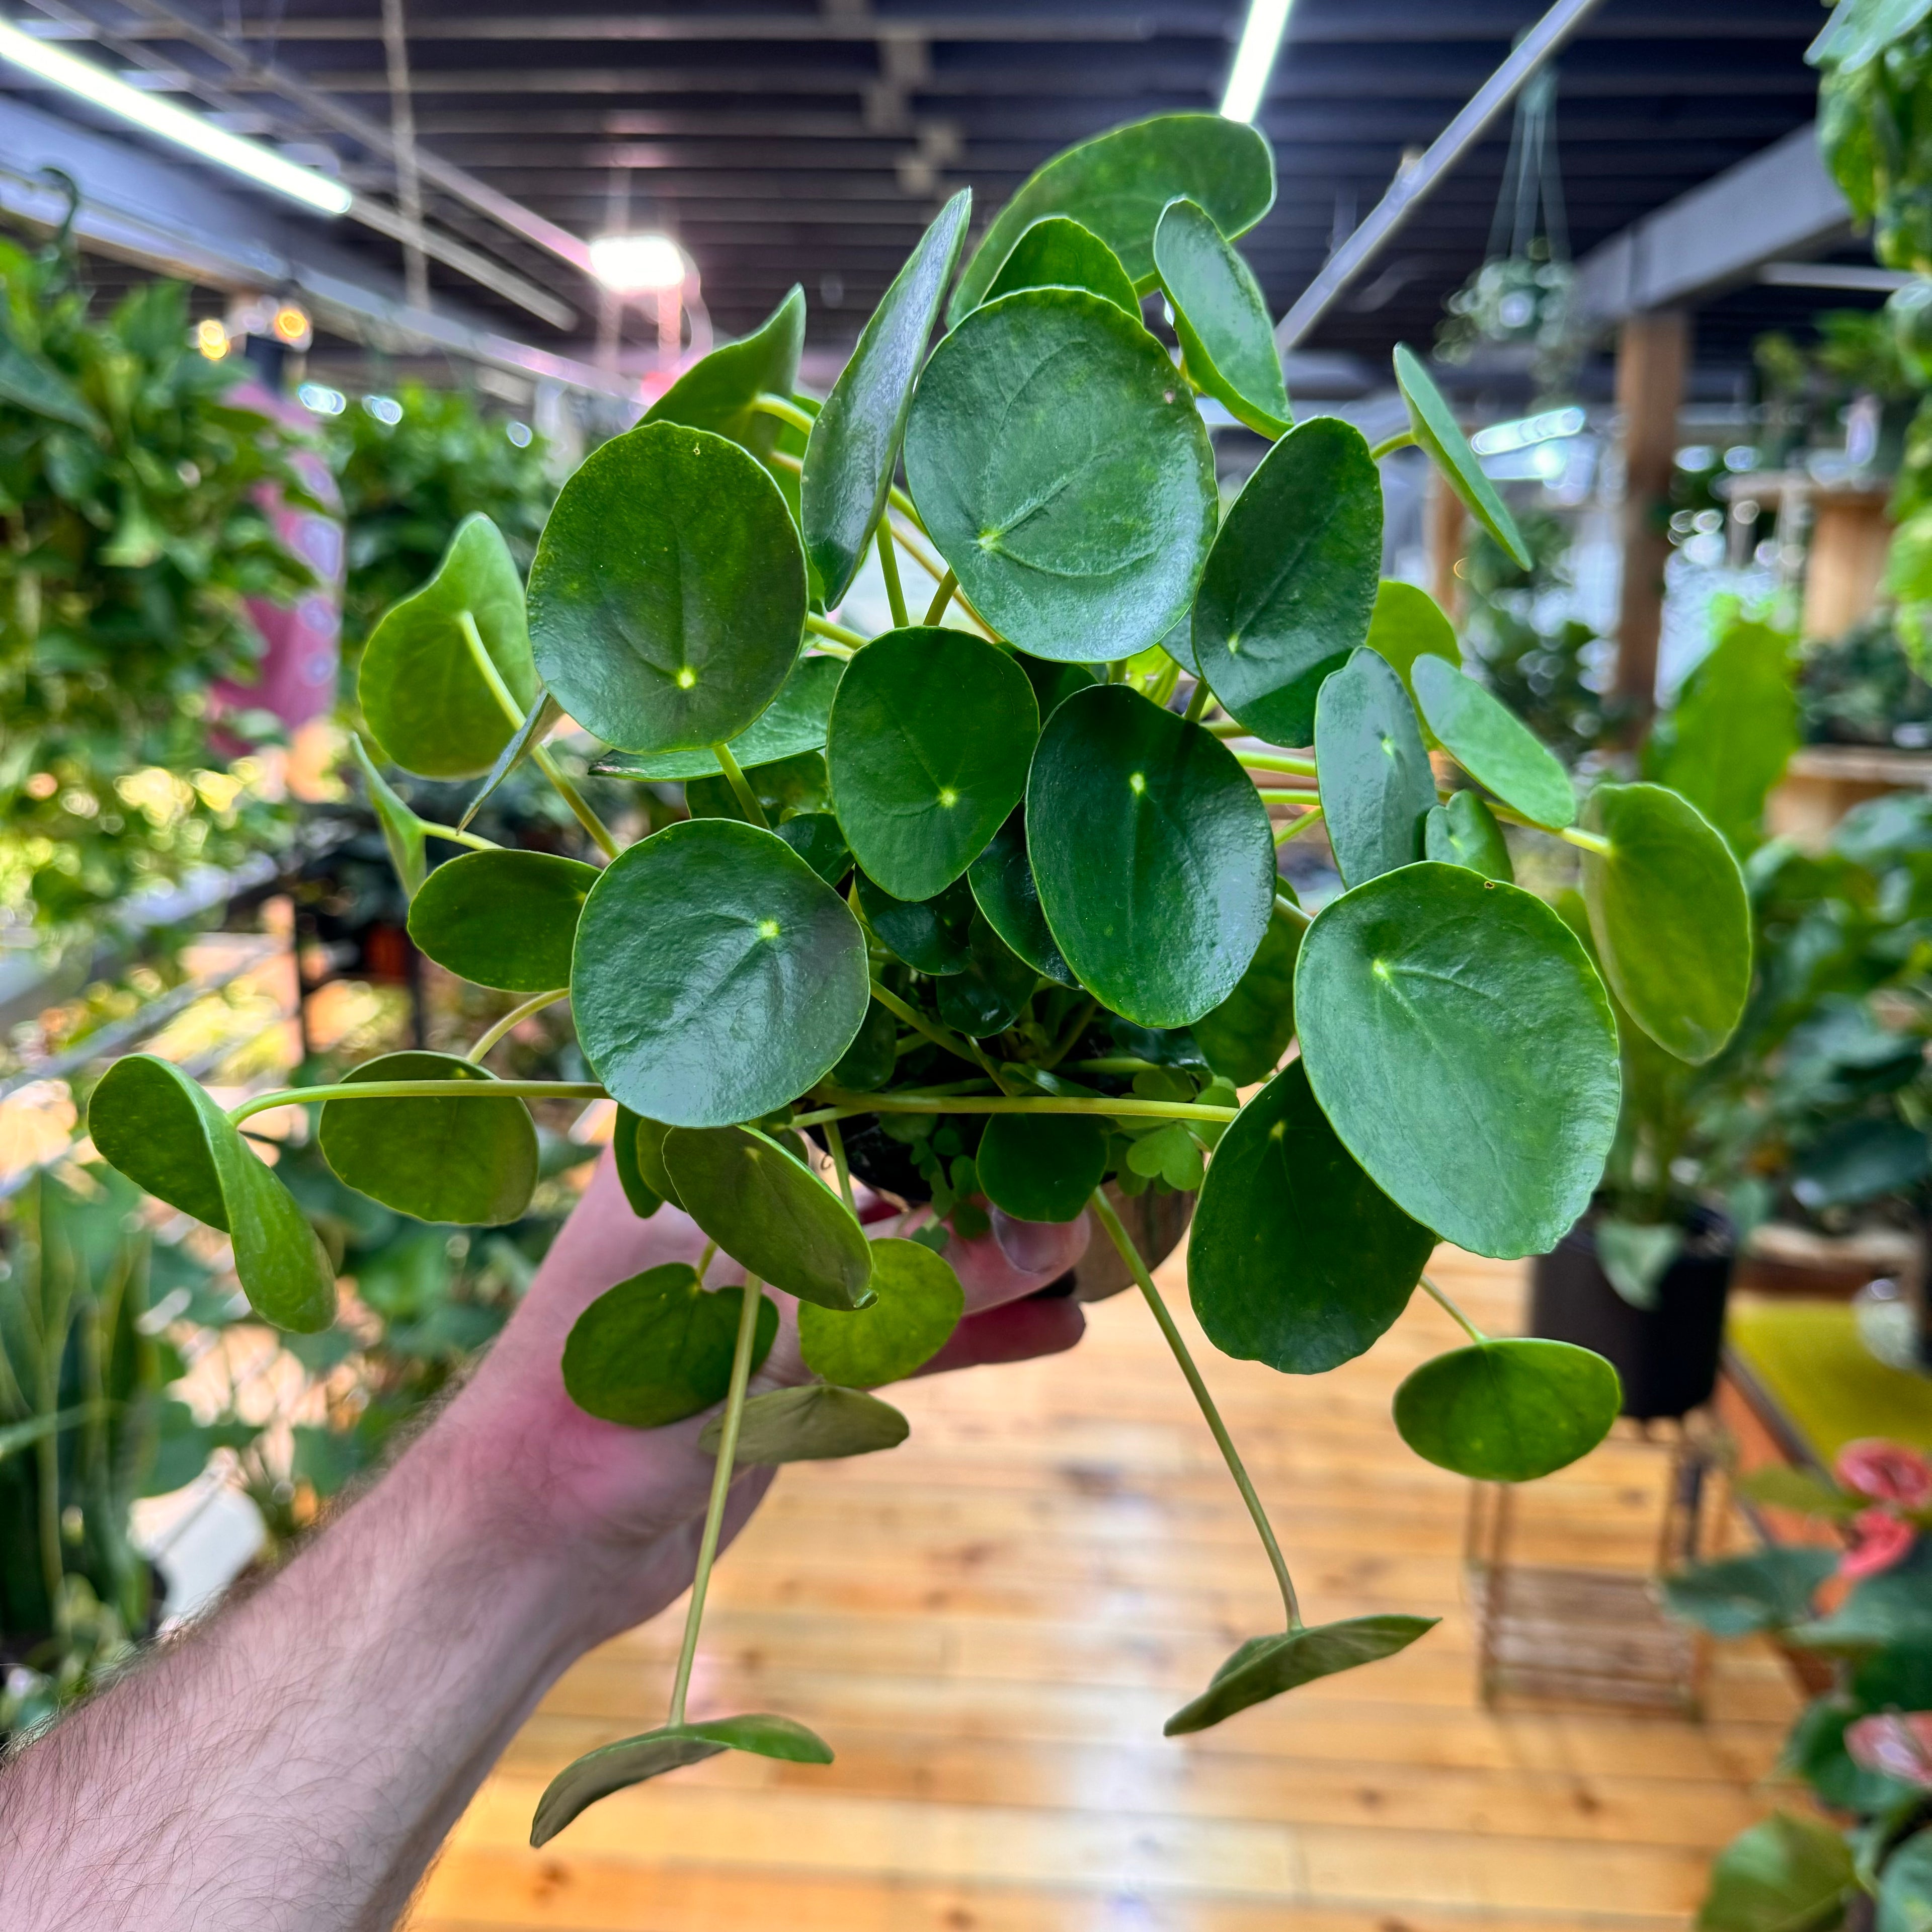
<point x="988" y="907"/>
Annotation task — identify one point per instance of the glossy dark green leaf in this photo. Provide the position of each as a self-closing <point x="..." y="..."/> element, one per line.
<point x="1465" y="833"/>
<point x="1265" y="1666"/>
<point x="1052" y="683"/>
<point x="427" y="700"/>
<point x="503" y="919"/>
<point x="1508" y="1412"/>
<point x="1117" y="185"/>
<point x="771" y="1212"/>
<point x="616" y="1767"/>
<point x="782" y="788"/>
<point x="1407" y="623"/>
<point x="1784" y="1874"/>
<point x="1064" y="473"/>
<point x="794" y="721"/>
<point x="645" y="1199"/>
<point x="854" y="445"/>
<point x="1438" y="432"/>
<point x="932" y="935"/>
<point x="816" y="1423"/>
<point x="1002" y="882"/>
<point x="816" y="837"/>
<point x="716" y="977"/>
<point x="1290" y="584"/>
<point x="1491" y="743"/>
<point x="1458" y="1038"/>
<point x="668" y="594"/>
<point x="658" y="1347"/>
<point x="1378" y="787"/>
<point x="470" y="1162"/>
<point x="1245" y="1037"/>
<point x="647" y="1140"/>
<point x="1221" y="318"/>
<point x="870" y="1060"/>
<point x="1739" y="1595"/>
<point x="537" y="721"/>
<point x="1042" y="1167"/>
<point x="1670" y="915"/>
<point x="931" y="735"/>
<point x="1057" y="253"/>
<point x="920" y="1302"/>
<point x="717" y="392"/>
<point x="1152" y="854"/>
<point x="986" y="995"/>
<point x="1297" y="1258"/>
<point x="158" y="1127"/>
<point x="402" y="829"/>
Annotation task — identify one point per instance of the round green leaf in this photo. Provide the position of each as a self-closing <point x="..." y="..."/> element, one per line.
<point x="816" y="837"/>
<point x="1117" y="185"/>
<point x="855" y="443"/>
<point x="1377" y="784"/>
<point x="920" y="1302"/>
<point x="932" y="935"/>
<point x="928" y="748"/>
<point x="1290" y="583"/>
<point x="871" y="1059"/>
<point x="1245" y="1037"/>
<point x="812" y="1424"/>
<point x="1064" y="472"/>
<point x="1459" y="1041"/>
<point x="1042" y="1167"/>
<point x="658" y="1347"/>
<point x="986" y="995"/>
<point x="772" y="1213"/>
<point x="716" y="977"/>
<point x="1152" y="853"/>
<point x="1057" y="253"/>
<point x="1407" y="623"/>
<point x="1508" y="1412"/>
<point x="1492" y="743"/>
<point x="1437" y="431"/>
<point x="645" y="1199"/>
<point x="1465" y="833"/>
<point x="427" y="700"/>
<point x="472" y="1162"/>
<point x="1669" y="913"/>
<point x="1221" y="318"/>
<point x="667" y="597"/>
<point x="1002" y="882"/>
<point x="718" y="392"/>
<point x="647" y="1140"/>
<point x="1297" y="1258"/>
<point x="161" y="1130"/>
<point x="1265" y="1666"/>
<point x="503" y="919"/>
<point x="794" y="721"/>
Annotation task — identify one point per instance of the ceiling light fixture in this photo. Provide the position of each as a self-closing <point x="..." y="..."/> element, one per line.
<point x="1254" y="58"/>
<point x="637" y="265"/>
<point x="157" y="116"/>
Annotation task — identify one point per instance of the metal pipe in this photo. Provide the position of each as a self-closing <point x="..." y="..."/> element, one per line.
<point x="403" y="131"/>
<point x="1410" y="189"/>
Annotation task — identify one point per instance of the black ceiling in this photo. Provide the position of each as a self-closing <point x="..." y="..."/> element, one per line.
<point x="782" y="141"/>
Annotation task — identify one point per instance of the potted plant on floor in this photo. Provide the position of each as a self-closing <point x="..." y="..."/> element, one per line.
<point x="977" y="878"/>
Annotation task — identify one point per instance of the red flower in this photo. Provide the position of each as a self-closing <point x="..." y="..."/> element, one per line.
<point x="1883" y="1541"/>
<point x="1894" y="1746"/>
<point x="1887" y="1472"/>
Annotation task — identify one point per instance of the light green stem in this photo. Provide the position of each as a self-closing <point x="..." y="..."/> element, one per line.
<point x="940" y="1036"/>
<point x="786" y="410"/>
<point x="420" y="1089"/>
<point x="1467" y="1327"/>
<point x="918" y="552"/>
<point x="517" y="1014"/>
<point x="888" y="568"/>
<point x="1283" y="904"/>
<point x="1269" y="795"/>
<point x="475" y="841"/>
<point x="741" y="787"/>
<point x="903" y="504"/>
<point x="1081" y="1019"/>
<point x="1198" y="704"/>
<point x="1405" y="440"/>
<point x="1570" y="835"/>
<point x="704" y="1261"/>
<point x="835" y="1143"/>
<point x="838" y="634"/>
<point x="1278" y="761"/>
<point x="1296" y="825"/>
<point x="1103" y="1210"/>
<point x="840" y="1106"/>
<point x="935" y="611"/>
<point x="753" y="1295"/>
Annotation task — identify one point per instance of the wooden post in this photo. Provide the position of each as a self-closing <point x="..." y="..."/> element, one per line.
<point x="1652" y="352"/>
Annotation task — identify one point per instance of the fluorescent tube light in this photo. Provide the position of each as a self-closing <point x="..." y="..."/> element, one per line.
<point x="157" y="116"/>
<point x="1254" y="58"/>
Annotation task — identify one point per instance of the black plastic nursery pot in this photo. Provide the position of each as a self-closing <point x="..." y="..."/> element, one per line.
<point x="1667" y="1356"/>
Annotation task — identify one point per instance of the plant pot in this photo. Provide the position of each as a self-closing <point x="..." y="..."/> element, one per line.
<point x="1667" y="1356"/>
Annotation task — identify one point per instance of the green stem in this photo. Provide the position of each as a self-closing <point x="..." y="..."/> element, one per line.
<point x="1278" y="761"/>
<point x="473" y="840"/>
<point x="888" y="568"/>
<point x="752" y="1297"/>
<point x="741" y="787"/>
<point x="1283" y="904"/>
<point x="1467" y="1327"/>
<point x="918" y="552"/>
<point x="1197" y="705"/>
<point x="903" y="504"/>
<point x="838" y="634"/>
<point x="1406" y="440"/>
<point x="420" y="1089"/>
<point x="840" y="1105"/>
<point x="786" y="410"/>
<point x="535" y="1005"/>
<point x="1269" y="795"/>
<point x="1295" y="825"/>
<point x="1081" y="1019"/>
<point x="835" y="1143"/>
<point x="935" y="611"/>
<point x="1103" y="1210"/>
<point x="939" y="1036"/>
<point x="1570" y="835"/>
<point x="705" y="1259"/>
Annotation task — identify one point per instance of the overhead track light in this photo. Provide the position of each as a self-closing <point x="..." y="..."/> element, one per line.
<point x="1254" y="58"/>
<point x="157" y="116"/>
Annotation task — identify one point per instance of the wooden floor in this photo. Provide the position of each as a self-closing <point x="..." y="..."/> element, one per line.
<point x="990" y="1624"/>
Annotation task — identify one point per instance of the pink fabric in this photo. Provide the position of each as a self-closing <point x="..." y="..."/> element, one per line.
<point x="1887" y="1472"/>
<point x="1881" y="1542"/>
